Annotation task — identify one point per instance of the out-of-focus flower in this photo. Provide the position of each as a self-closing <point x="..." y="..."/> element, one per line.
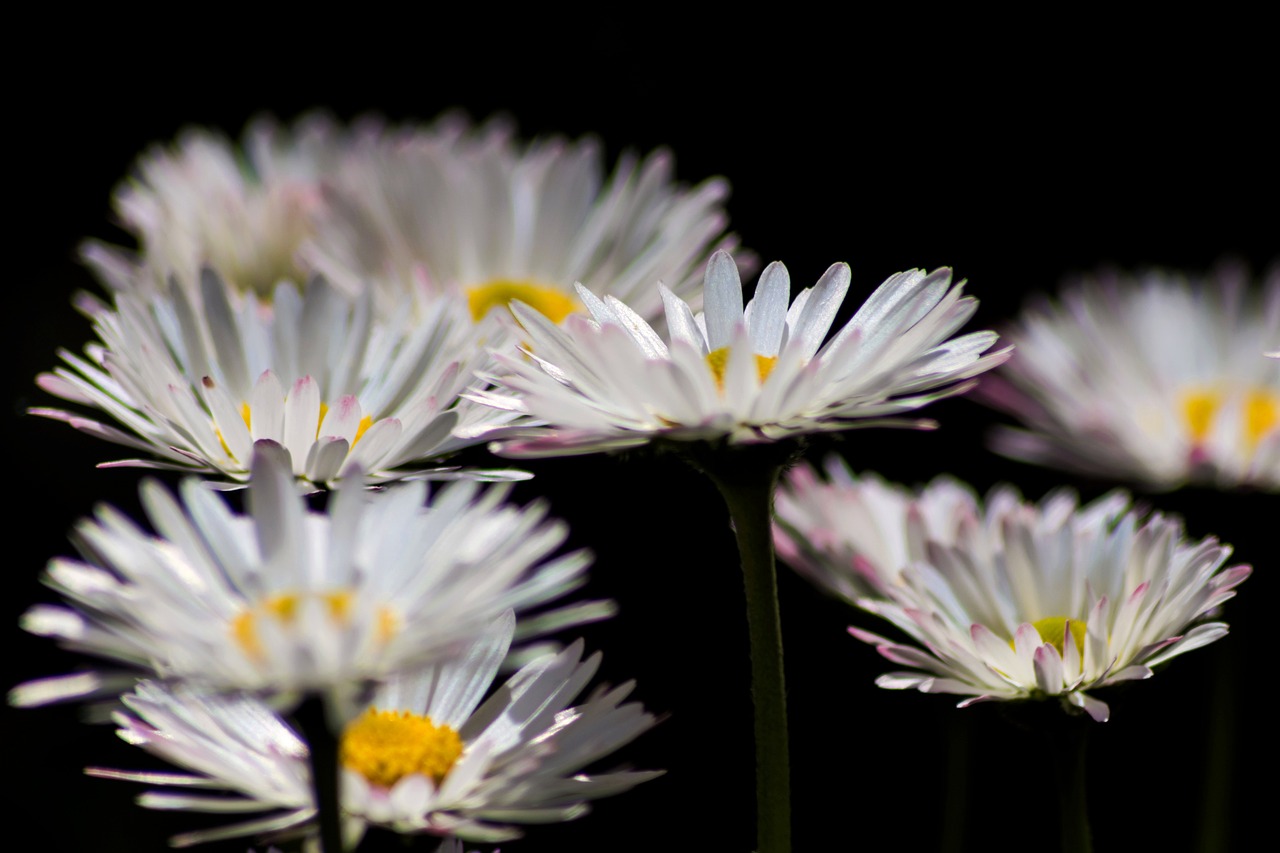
<point x="246" y="211"/>
<point x="474" y="213"/>
<point x="1010" y="600"/>
<point x="1154" y="379"/>
<point x="194" y="381"/>
<point x="608" y="381"/>
<point x="426" y="757"/>
<point x="285" y="600"/>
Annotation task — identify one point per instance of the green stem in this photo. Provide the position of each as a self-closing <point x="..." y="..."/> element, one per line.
<point x="1068" y="741"/>
<point x="956" y="807"/>
<point x="748" y="492"/>
<point x="313" y="719"/>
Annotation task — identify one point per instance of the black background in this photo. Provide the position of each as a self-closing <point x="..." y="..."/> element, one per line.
<point x="1015" y="160"/>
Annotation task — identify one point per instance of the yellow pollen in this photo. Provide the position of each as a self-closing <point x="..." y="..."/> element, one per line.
<point x="283" y="608"/>
<point x="718" y="360"/>
<point x="247" y="414"/>
<point x="1053" y="630"/>
<point x="388" y="624"/>
<point x="1198" y="410"/>
<point x="365" y="423"/>
<point x="386" y="746"/>
<point x="553" y="303"/>
<point x="1261" y="414"/>
<point x="324" y="410"/>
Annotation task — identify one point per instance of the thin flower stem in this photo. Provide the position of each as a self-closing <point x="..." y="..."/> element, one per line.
<point x="748" y="491"/>
<point x="1069" y="740"/>
<point x="322" y="746"/>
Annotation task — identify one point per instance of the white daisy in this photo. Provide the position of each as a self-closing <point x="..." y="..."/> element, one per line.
<point x="246" y="211"/>
<point x="609" y="381"/>
<point x="426" y="756"/>
<point x="460" y="210"/>
<point x="1153" y="379"/>
<point x="1012" y="600"/>
<point x="285" y="599"/>
<point x="194" y="383"/>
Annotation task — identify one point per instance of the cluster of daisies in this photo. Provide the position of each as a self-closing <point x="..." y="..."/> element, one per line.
<point x="341" y="310"/>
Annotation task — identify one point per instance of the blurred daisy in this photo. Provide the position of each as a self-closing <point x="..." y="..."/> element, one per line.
<point x="246" y="211"/>
<point x="1012" y="600"/>
<point x="425" y="757"/>
<point x="1153" y="379"/>
<point x="608" y="381"/>
<point x="195" y="383"/>
<point x="284" y="599"/>
<point x="472" y="212"/>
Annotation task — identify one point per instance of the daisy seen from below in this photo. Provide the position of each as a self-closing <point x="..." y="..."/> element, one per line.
<point x="1152" y="378"/>
<point x="477" y="214"/>
<point x="1008" y="600"/>
<point x="608" y="381"/>
<point x="194" y="380"/>
<point x="289" y="601"/>
<point x="426" y="756"/>
<point x="245" y="210"/>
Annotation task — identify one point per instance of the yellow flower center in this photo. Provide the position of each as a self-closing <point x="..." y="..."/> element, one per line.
<point x="1053" y="630"/>
<point x="555" y="304"/>
<point x="283" y="608"/>
<point x="246" y="412"/>
<point x="1259" y="416"/>
<point x="386" y="746"/>
<point x="718" y="360"/>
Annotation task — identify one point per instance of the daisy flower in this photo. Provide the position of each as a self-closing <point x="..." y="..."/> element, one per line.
<point x="1154" y="379"/>
<point x="609" y="381"/>
<point x="1011" y="600"/>
<point x="194" y="383"/>
<point x="244" y="210"/>
<point x="474" y="213"/>
<point x="285" y="600"/>
<point x="426" y="756"/>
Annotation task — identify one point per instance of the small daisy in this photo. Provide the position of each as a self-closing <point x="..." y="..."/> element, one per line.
<point x="284" y="599"/>
<point x="473" y="212"/>
<point x="608" y="381"/>
<point x="246" y="211"/>
<point x="427" y="756"/>
<point x="1012" y="600"/>
<point x="1153" y="379"/>
<point x="195" y="382"/>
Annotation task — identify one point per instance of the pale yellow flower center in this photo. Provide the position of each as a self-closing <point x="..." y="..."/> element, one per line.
<point x="386" y="746"/>
<point x="1260" y="414"/>
<point x="552" y="302"/>
<point x="1053" y="630"/>
<point x="282" y="609"/>
<point x="718" y="360"/>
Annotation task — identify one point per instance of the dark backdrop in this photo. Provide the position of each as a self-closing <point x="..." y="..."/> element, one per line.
<point x="1014" y="161"/>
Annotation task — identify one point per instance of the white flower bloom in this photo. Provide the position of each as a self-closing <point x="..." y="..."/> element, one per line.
<point x="464" y="211"/>
<point x="426" y="757"/>
<point x="195" y="383"/>
<point x="1154" y="379"/>
<point x="609" y="381"/>
<point x="1012" y="600"/>
<point x="284" y="599"/>
<point x="246" y="211"/>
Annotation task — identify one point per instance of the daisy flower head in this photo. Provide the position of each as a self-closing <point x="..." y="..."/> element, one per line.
<point x="285" y="600"/>
<point x="609" y="381"/>
<point x="426" y="756"/>
<point x="1006" y="599"/>
<point x="1153" y="378"/>
<point x="477" y="214"/>
<point x="193" y="381"/>
<point x="245" y="210"/>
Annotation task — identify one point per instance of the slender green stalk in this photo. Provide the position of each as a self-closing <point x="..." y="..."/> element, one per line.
<point x="322" y="746"/>
<point x="1068" y="743"/>
<point x="748" y="492"/>
<point x="1215" y="823"/>
<point x="956" y="807"/>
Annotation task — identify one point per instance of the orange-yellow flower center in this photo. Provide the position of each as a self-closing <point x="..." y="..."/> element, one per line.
<point x="552" y="302"/>
<point x="386" y="746"/>
<point x="718" y="360"/>
<point x="1053" y="630"/>
<point x="1259" y="415"/>
<point x="282" y="608"/>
